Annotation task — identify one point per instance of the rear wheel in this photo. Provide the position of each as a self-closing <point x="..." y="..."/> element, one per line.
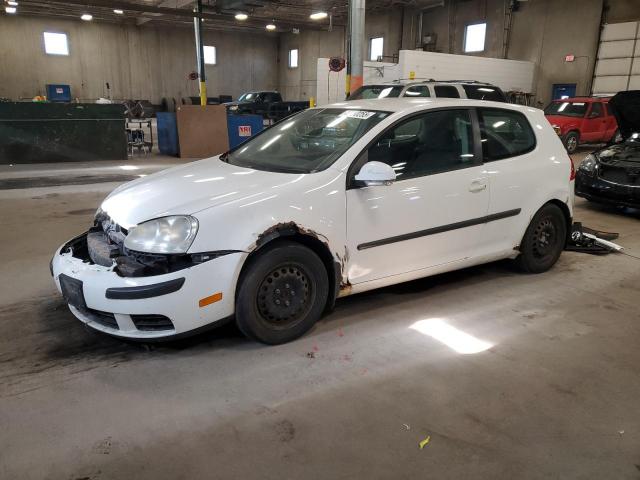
<point x="282" y="293"/>
<point x="571" y="141"/>
<point x="544" y="240"/>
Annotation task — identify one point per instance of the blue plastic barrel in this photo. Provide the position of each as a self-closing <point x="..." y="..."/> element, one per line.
<point x="167" y="133"/>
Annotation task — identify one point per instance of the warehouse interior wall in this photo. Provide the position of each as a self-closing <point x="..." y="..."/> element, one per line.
<point x="300" y="83"/>
<point x="138" y="62"/>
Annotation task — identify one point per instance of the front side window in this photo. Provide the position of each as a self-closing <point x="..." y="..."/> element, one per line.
<point x="209" y="55"/>
<point x="307" y="142"/>
<point x="417" y="91"/>
<point x="567" y="109"/>
<point x="376" y="48"/>
<point x="446" y="91"/>
<point x="505" y="134"/>
<point x="376" y="91"/>
<point x="430" y="143"/>
<point x="474" y="37"/>
<point x="484" y="92"/>
<point x="56" y="43"/>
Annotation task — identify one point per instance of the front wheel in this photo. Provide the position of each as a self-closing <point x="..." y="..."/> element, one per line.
<point x="282" y="293"/>
<point x="571" y="142"/>
<point x="544" y="240"/>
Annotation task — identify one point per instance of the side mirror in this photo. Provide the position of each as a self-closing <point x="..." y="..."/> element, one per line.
<point x="376" y="174"/>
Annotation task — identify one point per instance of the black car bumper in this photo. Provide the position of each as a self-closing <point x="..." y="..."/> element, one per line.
<point x="598" y="190"/>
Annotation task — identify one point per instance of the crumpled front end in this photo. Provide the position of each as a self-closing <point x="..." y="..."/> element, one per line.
<point x="142" y="296"/>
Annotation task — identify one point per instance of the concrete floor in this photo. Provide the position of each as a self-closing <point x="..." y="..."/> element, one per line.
<point x="555" y="396"/>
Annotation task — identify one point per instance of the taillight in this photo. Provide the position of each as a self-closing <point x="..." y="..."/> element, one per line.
<point x="572" y="175"/>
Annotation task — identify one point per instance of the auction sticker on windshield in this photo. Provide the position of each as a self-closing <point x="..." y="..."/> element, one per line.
<point x="362" y="114"/>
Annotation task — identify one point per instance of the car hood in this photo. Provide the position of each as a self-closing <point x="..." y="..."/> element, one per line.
<point x="625" y="155"/>
<point x="191" y="188"/>
<point x="626" y="108"/>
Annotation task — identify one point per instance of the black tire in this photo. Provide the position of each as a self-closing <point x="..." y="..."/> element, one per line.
<point x="544" y="240"/>
<point x="571" y="142"/>
<point x="281" y="294"/>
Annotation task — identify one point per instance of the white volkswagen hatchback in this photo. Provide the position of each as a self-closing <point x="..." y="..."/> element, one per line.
<point x="330" y="202"/>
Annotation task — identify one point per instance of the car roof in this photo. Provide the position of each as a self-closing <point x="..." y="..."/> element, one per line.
<point x="582" y="99"/>
<point x="397" y="105"/>
<point x="408" y="83"/>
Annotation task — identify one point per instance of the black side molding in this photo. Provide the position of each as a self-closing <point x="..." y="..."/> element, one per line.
<point x="441" y="229"/>
<point x="145" y="291"/>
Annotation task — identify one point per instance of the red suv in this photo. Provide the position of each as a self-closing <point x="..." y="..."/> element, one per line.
<point x="582" y="120"/>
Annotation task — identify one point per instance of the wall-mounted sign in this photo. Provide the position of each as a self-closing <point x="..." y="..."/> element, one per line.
<point x="244" y="130"/>
<point x="569" y="58"/>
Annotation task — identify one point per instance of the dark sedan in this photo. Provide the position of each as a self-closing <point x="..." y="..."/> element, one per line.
<point x="612" y="174"/>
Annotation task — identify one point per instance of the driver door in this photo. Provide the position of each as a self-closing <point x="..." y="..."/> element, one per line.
<point x="432" y="214"/>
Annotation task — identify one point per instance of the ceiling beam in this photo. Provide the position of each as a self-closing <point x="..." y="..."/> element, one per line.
<point x="165" y="4"/>
<point x="221" y="18"/>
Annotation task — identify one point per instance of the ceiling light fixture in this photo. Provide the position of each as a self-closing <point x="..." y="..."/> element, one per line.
<point x="241" y="16"/>
<point x="318" y="15"/>
<point x="10" y="9"/>
<point x="13" y="4"/>
<point x="118" y="12"/>
<point x="270" y="27"/>
<point x="86" y="17"/>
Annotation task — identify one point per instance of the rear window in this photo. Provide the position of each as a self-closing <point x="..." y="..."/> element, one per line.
<point x="446" y="91"/>
<point x="568" y="109"/>
<point x="376" y="91"/>
<point x="484" y="92"/>
<point x="505" y="134"/>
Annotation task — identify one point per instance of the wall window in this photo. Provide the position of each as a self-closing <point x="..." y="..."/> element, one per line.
<point x="376" y="48"/>
<point x="432" y="143"/>
<point x="209" y="55"/>
<point x="505" y="134"/>
<point x="474" y="36"/>
<point x="293" y="58"/>
<point x="56" y="43"/>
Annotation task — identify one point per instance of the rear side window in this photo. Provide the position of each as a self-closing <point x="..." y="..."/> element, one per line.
<point x="446" y="91"/>
<point x="505" y="134"/>
<point x="417" y="91"/>
<point x="596" y="110"/>
<point x="484" y="92"/>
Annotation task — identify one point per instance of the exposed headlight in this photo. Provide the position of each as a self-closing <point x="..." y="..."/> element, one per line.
<point x="589" y="165"/>
<point x="233" y="107"/>
<point x="173" y="234"/>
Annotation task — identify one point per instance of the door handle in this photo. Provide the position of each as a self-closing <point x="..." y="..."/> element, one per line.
<point x="477" y="186"/>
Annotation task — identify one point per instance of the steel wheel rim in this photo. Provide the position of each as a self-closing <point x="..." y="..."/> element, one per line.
<point x="545" y="239"/>
<point x="572" y="143"/>
<point x="284" y="296"/>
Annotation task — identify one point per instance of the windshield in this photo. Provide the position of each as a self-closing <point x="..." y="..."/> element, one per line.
<point x="569" y="109"/>
<point x="248" y="97"/>
<point x="376" y="91"/>
<point x="305" y="143"/>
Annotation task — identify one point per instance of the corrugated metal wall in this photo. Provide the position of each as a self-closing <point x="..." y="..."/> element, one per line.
<point x="618" y="65"/>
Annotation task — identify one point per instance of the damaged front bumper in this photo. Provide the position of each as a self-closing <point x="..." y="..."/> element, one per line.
<point x="143" y="307"/>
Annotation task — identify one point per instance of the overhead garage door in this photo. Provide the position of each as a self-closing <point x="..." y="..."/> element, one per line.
<point x="618" y="65"/>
